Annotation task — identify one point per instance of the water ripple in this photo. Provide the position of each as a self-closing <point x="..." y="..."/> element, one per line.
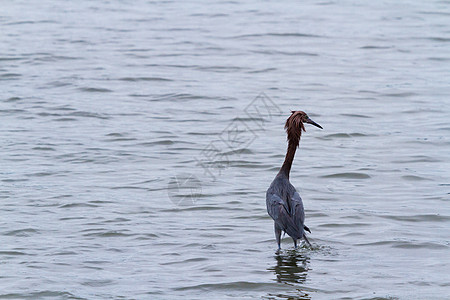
<point x="349" y="175"/>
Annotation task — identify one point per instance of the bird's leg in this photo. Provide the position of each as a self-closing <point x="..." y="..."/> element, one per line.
<point x="278" y="235"/>
<point x="306" y="239"/>
<point x="295" y="243"/>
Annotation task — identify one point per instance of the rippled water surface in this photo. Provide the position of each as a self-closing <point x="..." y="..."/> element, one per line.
<point x="138" y="139"/>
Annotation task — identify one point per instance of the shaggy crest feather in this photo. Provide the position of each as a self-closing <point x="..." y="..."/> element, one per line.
<point x="293" y="124"/>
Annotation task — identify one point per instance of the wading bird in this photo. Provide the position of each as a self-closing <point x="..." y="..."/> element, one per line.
<point x="284" y="204"/>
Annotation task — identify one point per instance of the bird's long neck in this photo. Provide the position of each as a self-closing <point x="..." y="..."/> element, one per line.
<point x="292" y="147"/>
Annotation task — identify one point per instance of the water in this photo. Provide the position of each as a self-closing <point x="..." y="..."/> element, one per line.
<point x="133" y="166"/>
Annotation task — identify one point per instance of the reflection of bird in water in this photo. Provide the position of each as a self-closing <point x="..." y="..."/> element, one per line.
<point x="291" y="268"/>
<point x="284" y="204"/>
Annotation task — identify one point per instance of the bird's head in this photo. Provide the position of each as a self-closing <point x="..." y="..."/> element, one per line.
<point x="295" y="123"/>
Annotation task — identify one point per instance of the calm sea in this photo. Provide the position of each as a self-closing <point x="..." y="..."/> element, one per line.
<point x="138" y="138"/>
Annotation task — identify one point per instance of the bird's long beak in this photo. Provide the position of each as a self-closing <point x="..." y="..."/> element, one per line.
<point x="313" y="123"/>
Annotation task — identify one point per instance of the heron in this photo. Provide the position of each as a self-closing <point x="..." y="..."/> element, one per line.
<point x="284" y="203"/>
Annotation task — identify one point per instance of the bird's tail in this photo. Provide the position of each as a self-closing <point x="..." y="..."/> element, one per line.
<point x="306" y="228"/>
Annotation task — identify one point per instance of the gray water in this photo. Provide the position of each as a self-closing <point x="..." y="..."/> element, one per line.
<point x="138" y="139"/>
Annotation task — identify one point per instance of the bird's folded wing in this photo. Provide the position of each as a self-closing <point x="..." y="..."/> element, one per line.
<point x="298" y="212"/>
<point x="277" y="209"/>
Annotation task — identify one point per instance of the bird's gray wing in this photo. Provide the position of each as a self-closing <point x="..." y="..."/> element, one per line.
<point x="298" y="212"/>
<point x="277" y="209"/>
